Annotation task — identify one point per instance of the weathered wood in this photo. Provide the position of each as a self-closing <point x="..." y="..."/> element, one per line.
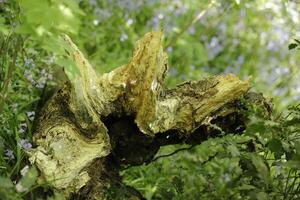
<point x="97" y="123"/>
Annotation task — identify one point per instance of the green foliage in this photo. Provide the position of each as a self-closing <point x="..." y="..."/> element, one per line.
<point x="248" y="38"/>
<point x="261" y="164"/>
<point x="294" y="45"/>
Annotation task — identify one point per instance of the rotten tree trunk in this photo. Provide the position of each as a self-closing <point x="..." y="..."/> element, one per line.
<point x="97" y="124"/>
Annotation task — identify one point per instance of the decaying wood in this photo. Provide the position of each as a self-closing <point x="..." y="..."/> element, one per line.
<point x="96" y="123"/>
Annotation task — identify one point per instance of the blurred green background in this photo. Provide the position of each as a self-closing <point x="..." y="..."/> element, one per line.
<point x="202" y="38"/>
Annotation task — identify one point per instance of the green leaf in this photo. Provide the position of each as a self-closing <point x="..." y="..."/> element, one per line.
<point x="30" y="178"/>
<point x="292" y="122"/>
<point x="297" y="147"/>
<point x="246" y="187"/>
<point x="5" y="182"/>
<point x="261" y="167"/>
<point x="233" y="150"/>
<point x="258" y="127"/>
<point x="70" y="68"/>
<point x="53" y="45"/>
<point x="275" y="146"/>
<point x="57" y="196"/>
<point x="262" y="196"/>
<point x="292" y="46"/>
<point x="294" y="164"/>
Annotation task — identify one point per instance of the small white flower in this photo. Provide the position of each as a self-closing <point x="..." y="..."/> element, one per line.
<point x="96" y="22"/>
<point x="20" y="187"/>
<point x="123" y="37"/>
<point x="129" y="22"/>
<point x="24" y="170"/>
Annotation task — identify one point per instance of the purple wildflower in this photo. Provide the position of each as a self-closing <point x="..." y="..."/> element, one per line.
<point x="28" y="62"/>
<point x="191" y="30"/>
<point x="22" y="128"/>
<point x="29" y="77"/>
<point x="129" y="5"/>
<point x="169" y="49"/>
<point x="30" y="115"/>
<point x="9" y="154"/>
<point x="129" y="22"/>
<point x="102" y="14"/>
<point x="154" y="22"/>
<point x="41" y="83"/>
<point x="214" y="47"/>
<point x="179" y="10"/>
<point x="93" y="2"/>
<point x="50" y="60"/>
<point x="25" y="144"/>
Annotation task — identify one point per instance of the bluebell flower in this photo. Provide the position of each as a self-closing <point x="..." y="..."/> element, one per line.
<point x="129" y="22"/>
<point x="173" y="71"/>
<point x="154" y="22"/>
<point x="30" y="115"/>
<point x="29" y="77"/>
<point x="22" y="128"/>
<point x="101" y="15"/>
<point x="214" y="47"/>
<point x="25" y="144"/>
<point x="129" y="5"/>
<point x="50" y="60"/>
<point x="93" y="2"/>
<point x="191" y="30"/>
<point x="28" y="62"/>
<point x="9" y="154"/>
<point x="41" y="83"/>
<point x="169" y="49"/>
<point x="180" y="9"/>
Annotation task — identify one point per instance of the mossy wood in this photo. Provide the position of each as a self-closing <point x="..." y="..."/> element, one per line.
<point x="97" y="124"/>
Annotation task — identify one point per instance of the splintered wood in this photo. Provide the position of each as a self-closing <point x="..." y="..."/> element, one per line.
<point x="70" y="134"/>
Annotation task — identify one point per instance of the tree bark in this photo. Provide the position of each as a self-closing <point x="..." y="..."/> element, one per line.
<point x="97" y="125"/>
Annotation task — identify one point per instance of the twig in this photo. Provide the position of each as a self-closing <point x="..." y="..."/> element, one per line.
<point x="176" y="151"/>
<point x="194" y="20"/>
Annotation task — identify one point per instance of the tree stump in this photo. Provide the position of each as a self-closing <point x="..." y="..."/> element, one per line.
<point x="95" y="125"/>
